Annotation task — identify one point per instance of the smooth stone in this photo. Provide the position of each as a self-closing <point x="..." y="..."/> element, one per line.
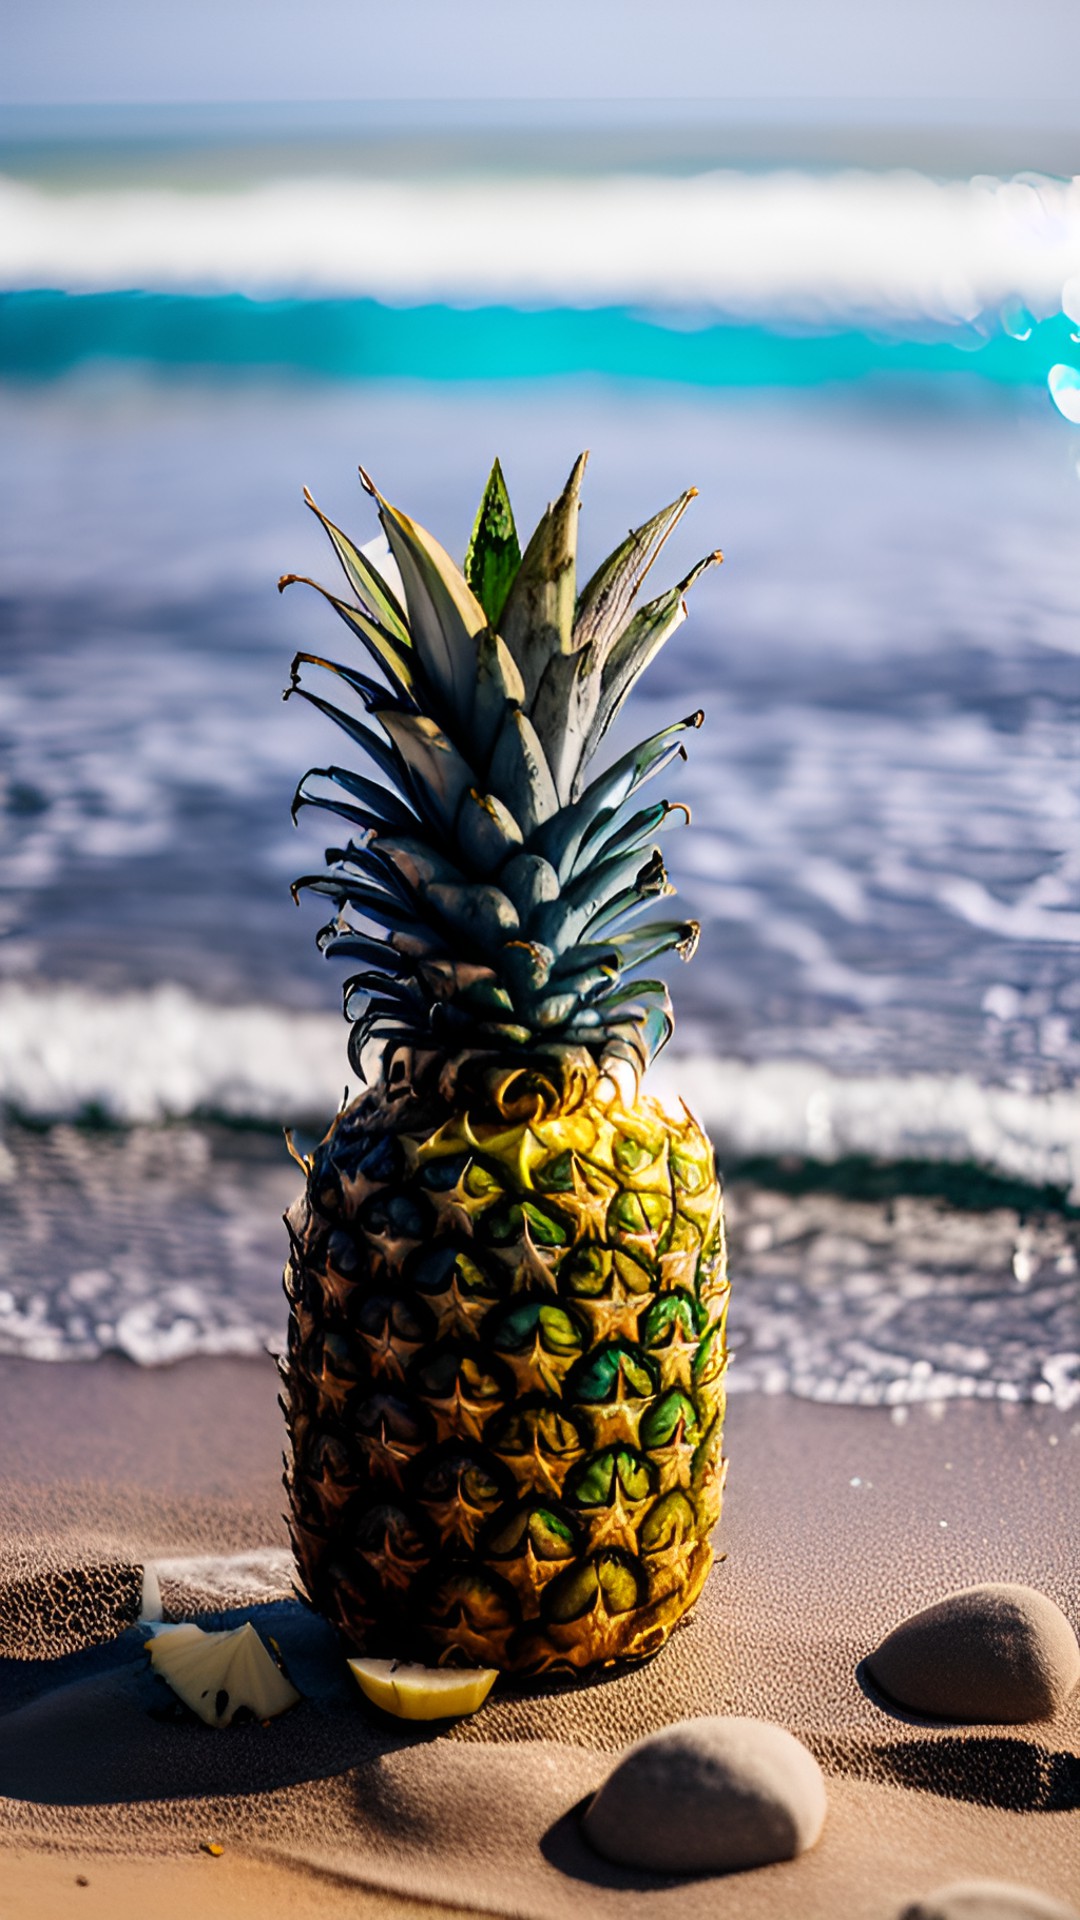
<point x="987" y="1900"/>
<point x="993" y="1654"/>
<point x="709" y="1796"/>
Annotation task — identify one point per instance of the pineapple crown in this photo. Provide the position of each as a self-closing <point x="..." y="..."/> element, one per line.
<point x="488" y="891"/>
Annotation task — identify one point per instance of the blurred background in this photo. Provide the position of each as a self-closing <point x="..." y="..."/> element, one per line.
<point x="831" y="277"/>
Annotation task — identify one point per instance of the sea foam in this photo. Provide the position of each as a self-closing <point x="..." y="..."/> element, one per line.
<point x="810" y="248"/>
<point x="164" y="1053"/>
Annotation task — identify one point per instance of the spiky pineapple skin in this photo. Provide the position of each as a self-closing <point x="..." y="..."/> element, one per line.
<point x="504" y="1384"/>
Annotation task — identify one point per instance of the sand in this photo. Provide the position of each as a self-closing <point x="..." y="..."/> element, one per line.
<point x="838" y="1522"/>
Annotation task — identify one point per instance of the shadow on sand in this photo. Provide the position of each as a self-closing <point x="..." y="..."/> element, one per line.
<point x="97" y="1727"/>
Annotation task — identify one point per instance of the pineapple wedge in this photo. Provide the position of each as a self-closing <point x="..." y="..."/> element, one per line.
<point x="219" y="1675"/>
<point x="423" y="1693"/>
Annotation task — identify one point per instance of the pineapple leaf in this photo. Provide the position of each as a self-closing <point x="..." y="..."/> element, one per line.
<point x="415" y="861"/>
<point x="561" y="838"/>
<point x="387" y="652"/>
<point x="356" y="816"/>
<point x="498" y="686"/>
<point x="486" y="831"/>
<point x="605" y="878"/>
<point x="494" y="555"/>
<point x="642" y="944"/>
<point x="376" y="953"/>
<point x="426" y="882"/>
<point x="519" y="773"/>
<point x="596" y="897"/>
<point x="555" y="1009"/>
<point x="643" y="1035"/>
<point x="365" y="580"/>
<point x="628" y="904"/>
<point x="526" y="965"/>
<point x="563" y="714"/>
<point x="436" y="769"/>
<point x="341" y="937"/>
<point x="361" y="860"/>
<point x="609" y="595"/>
<point x="371" y="901"/>
<point x="378" y="985"/>
<point x="630" y="990"/>
<point x="529" y="881"/>
<point x="636" y="831"/>
<point x="538" y="617"/>
<point x="375" y="747"/>
<point x="480" y="916"/>
<point x="639" y="642"/>
<point x="371" y="693"/>
<point x="587" y="967"/>
<point x="444" y="616"/>
<point x="598" y="963"/>
<point x="489" y="904"/>
<point x="377" y="1023"/>
<point x="380" y="800"/>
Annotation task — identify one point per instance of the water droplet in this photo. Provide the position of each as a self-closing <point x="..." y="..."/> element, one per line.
<point x="1064" y="385"/>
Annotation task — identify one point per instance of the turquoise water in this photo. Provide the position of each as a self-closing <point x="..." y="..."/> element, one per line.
<point x="45" y="333"/>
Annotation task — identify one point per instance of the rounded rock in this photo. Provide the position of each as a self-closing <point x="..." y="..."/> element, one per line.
<point x="992" y="1655"/>
<point x="709" y="1796"/>
<point x="987" y="1900"/>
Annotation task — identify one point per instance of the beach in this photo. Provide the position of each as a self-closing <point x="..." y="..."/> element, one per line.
<point x="838" y="1522"/>
<point x="866" y="370"/>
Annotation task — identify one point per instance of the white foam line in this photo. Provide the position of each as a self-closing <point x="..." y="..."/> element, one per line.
<point x="257" y="1572"/>
<point x="806" y="246"/>
<point x="779" y="1107"/>
<point x="163" y="1053"/>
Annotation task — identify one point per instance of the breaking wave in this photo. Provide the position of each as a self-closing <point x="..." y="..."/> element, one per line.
<point x="164" y="1054"/>
<point x="805" y="246"/>
<point x="159" y="1236"/>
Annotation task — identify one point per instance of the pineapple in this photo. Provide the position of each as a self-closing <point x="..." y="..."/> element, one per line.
<point x="223" y="1677"/>
<point x="504" y="1386"/>
<point x="423" y="1693"/>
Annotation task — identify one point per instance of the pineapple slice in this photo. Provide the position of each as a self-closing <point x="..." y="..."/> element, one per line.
<point x="423" y="1693"/>
<point x="218" y="1675"/>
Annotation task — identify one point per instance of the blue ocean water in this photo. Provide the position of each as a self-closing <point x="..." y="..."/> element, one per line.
<point x="47" y="332"/>
<point x="885" y="853"/>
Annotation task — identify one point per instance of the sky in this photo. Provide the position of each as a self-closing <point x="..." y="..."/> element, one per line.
<point x="1021" y="60"/>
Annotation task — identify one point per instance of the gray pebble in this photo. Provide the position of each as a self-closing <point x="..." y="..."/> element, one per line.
<point x="987" y="1900"/>
<point x="708" y="1796"/>
<point x="994" y="1654"/>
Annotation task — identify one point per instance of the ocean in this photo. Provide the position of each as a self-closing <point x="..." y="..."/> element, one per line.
<point x="871" y="375"/>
